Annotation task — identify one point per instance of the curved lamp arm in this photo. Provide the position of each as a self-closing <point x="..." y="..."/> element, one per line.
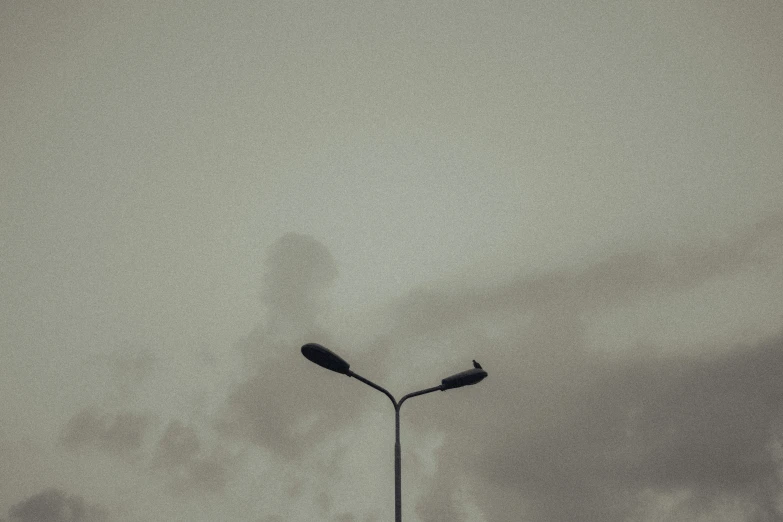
<point x="420" y="392"/>
<point x="368" y="382"/>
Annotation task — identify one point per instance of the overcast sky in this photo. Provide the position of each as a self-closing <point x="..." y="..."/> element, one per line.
<point x="586" y="197"/>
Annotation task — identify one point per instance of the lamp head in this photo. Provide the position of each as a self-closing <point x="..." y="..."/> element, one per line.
<point x="323" y="356"/>
<point x="465" y="378"/>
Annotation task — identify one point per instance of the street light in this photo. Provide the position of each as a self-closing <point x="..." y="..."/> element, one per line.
<point x="326" y="358"/>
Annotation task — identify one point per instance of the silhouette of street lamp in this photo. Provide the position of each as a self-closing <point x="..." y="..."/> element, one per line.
<point x="326" y="358"/>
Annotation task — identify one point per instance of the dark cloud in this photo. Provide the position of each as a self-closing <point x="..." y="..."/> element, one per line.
<point x="280" y="404"/>
<point x="298" y="271"/>
<point x="53" y="505"/>
<point x="119" y="433"/>
<point x="704" y="426"/>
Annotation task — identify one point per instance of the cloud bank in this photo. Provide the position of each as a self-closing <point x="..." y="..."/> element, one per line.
<point x="560" y="431"/>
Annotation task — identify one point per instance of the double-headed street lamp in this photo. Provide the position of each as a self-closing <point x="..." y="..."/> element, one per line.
<point x="322" y="356"/>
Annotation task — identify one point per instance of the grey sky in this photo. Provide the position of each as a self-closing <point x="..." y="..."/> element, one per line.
<point x="585" y="197"/>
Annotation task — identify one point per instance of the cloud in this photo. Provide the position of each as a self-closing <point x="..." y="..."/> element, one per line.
<point x="704" y="426"/>
<point x="560" y="432"/>
<point x="179" y="453"/>
<point x="118" y="433"/>
<point x="298" y="271"/>
<point x="178" y="446"/>
<point x="622" y="278"/>
<point x="439" y="504"/>
<point x="53" y="505"/>
<point x="266" y="407"/>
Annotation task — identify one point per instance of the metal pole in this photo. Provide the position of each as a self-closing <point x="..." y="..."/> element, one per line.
<point x="398" y="453"/>
<point x="397" y="449"/>
<point x="397" y="467"/>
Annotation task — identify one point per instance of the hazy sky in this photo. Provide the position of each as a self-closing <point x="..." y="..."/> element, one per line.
<point x="586" y="197"/>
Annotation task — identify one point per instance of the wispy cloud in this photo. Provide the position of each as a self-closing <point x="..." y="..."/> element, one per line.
<point x="622" y="278"/>
<point x="121" y="432"/>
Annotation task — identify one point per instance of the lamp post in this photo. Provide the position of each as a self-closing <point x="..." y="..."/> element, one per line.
<point x="326" y="358"/>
